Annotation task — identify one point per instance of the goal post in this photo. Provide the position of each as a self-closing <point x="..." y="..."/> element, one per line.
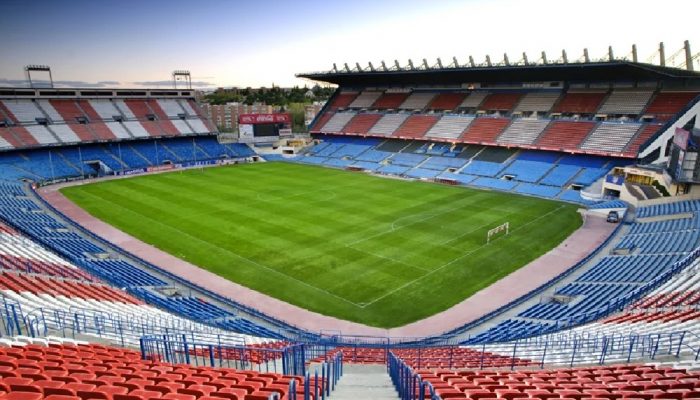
<point x="495" y="231"/>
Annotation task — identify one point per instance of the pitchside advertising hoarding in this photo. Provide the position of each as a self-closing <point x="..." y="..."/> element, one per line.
<point x="264" y="127"/>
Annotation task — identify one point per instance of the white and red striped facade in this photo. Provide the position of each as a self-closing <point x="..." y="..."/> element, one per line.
<point x="45" y="117"/>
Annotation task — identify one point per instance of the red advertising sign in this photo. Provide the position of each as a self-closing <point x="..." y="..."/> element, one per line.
<point x="254" y="119"/>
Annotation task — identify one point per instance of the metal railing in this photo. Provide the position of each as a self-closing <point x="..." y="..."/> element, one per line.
<point x="409" y="384"/>
<point x="293" y="359"/>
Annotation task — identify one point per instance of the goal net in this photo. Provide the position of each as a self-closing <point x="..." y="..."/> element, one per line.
<point x="500" y="229"/>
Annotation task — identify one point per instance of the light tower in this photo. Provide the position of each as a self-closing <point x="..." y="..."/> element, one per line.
<point x="184" y="76"/>
<point x="28" y="69"/>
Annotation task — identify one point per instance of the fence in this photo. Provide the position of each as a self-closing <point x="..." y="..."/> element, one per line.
<point x="576" y="351"/>
<point x="409" y="384"/>
<point x="293" y="359"/>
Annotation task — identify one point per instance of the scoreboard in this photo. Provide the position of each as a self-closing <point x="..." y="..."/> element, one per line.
<point x="263" y="128"/>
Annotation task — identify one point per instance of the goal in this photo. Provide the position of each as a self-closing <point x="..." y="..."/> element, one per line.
<point x="495" y="231"/>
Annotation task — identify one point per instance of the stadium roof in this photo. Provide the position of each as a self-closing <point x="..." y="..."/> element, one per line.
<point x="584" y="72"/>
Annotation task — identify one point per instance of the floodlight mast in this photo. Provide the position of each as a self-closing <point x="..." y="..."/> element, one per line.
<point x="181" y="74"/>
<point x="28" y="69"/>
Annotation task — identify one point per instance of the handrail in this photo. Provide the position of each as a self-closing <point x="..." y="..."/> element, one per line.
<point x="289" y="360"/>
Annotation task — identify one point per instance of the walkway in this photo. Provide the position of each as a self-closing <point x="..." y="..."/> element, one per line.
<point x="364" y="382"/>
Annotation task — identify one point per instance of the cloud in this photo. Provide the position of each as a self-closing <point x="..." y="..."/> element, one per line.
<point x="64" y="84"/>
<point x="14" y="82"/>
<point x="83" y="84"/>
<point x="202" y="84"/>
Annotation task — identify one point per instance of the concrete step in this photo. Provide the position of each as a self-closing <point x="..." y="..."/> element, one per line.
<point x="364" y="382"/>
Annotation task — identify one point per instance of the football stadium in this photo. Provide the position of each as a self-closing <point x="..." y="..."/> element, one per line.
<point x="502" y="229"/>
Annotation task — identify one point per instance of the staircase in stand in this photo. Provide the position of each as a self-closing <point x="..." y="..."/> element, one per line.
<point x="364" y="381"/>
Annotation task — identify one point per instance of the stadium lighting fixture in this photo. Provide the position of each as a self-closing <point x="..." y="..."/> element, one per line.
<point x="184" y="76"/>
<point x="28" y="69"/>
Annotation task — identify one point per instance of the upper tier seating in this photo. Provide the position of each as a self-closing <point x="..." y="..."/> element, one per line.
<point x="182" y="126"/>
<point x="17" y="136"/>
<point x="447" y="101"/>
<point x="68" y="121"/>
<point x="23" y="111"/>
<point x="647" y="132"/>
<point x="86" y="132"/>
<point x="417" y="100"/>
<point x="666" y="104"/>
<point x="390" y="100"/>
<point x="610" y="137"/>
<point x="450" y="127"/>
<point x="126" y="111"/>
<point x="49" y="110"/>
<point x="416" y="126"/>
<point x="336" y="123"/>
<point x="500" y="102"/>
<point x="320" y="121"/>
<point x="361" y="123"/>
<point x="5" y="115"/>
<point x="523" y="131"/>
<point x="6" y="143"/>
<point x="41" y="134"/>
<point x="201" y="125"/>
<point x="388" y="124"/>
<point x="138" y="129"/>
<point x="579" y="102"/>
<point x="548" y="129"/>
<point x="140" y="109"/>
<point x="68" y="109"/>
<point x="625" y="102"/>
<point x="365" y="99"/>
<point x="64" y="133"/>
<point x="171" y="108"/>
<point x="473" y="100"/>
<point x="117" y="129"/>
<point x="343" y="100"/>
<point x="540" y="102"/>
<point x="561" y="135"/>
<point x="485" y="130"/>
<point x="105" y="109"/>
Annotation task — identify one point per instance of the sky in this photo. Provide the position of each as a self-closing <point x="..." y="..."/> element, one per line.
<point x="138" y="43"/>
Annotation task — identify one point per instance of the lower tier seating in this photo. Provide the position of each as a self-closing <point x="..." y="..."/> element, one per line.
<point x="61" y="370"/>
<point x="591" y="382"/>
<point x="536" y="173"/>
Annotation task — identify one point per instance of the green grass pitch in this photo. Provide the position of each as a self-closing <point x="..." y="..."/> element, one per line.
<point x="383" y="252"/>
